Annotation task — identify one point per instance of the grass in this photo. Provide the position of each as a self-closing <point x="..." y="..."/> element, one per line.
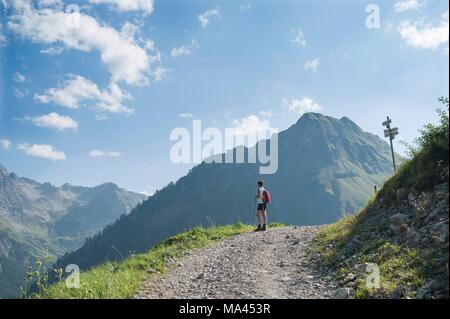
<point x="398" y="264"/>
<point x="121" y="280"/>
<point x="363" y="238"/>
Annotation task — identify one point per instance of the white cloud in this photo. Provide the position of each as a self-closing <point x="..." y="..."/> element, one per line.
<point x="99" y="153"/>
<point x="186" y="115"/>
<point x="180" y="51"/>
<point x="407" y="5"/>
<point x="301" y="105"/>
<point x="129" y="5"/>
<point x="184" y="50"/>
<point x="312" y="65"/>
<point x="250" y="125"/>
<point x="5" y="144"/>
<point x="52" y="51"/>
<point x="78" y="91"/>
<point x="424" y="35"/>
<point x="124" y="58"/>
<point x="19" y="93"/>
<point x="19" y="78"/>
<point x="298" y="37"/>
<point x="50" y="3"/>
<point x="160" y="73"/>
<point x="54" y="121"/>
<point x="101" y="117"/>
<point x="206" y="17"/>
<point x="42" y="151"/>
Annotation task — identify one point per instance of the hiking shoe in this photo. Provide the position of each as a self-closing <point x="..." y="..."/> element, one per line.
<point x="258" y="228"/>
<point x="264" y="228"/>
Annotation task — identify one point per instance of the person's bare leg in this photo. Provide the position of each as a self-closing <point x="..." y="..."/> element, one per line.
<point x="259" y="217"/>
<point x="265" y="217"/>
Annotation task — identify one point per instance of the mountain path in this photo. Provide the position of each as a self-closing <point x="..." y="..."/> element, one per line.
<point x="276" y="264"/>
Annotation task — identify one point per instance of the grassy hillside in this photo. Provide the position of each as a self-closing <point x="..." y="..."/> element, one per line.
<point x="122" y="279"/>
<point x="403" y="229"/>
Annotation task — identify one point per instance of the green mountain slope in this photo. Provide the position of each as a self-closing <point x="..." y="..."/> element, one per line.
<point x="327" y="167"/>
<point x="36" y="216"/>
<point x="404" y="231"/>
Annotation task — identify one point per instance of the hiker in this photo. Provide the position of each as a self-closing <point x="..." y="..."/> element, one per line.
<point x="262" y="198"/>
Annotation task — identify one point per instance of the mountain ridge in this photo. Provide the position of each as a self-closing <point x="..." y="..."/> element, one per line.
<point x="35" y="216"/>
<point x="327" y="168"/>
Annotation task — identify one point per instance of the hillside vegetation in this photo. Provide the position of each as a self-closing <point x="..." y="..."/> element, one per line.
<point x="404" y="230"/>
<point x="122" y="279"/>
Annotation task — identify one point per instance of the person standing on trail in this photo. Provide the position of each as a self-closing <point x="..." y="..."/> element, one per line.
<point x="262" y="199"/>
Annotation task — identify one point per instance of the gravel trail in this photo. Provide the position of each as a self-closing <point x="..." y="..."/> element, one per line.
<point x="275" y="264"/>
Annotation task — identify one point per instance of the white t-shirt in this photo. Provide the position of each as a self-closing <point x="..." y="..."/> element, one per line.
<point x="261" y="195"/>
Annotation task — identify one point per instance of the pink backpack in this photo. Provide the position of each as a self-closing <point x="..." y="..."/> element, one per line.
<point x="266" y="197"/>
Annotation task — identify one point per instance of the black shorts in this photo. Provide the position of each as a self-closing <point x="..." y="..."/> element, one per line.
<point x="262" y="207"/>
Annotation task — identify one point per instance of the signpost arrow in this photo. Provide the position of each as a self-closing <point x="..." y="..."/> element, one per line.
<point x="389" y="121"/>
<point x="391" y="133"/>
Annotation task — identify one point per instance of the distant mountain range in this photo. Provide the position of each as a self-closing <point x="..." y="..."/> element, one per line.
<point x="36" y="216"/>
<point x="327" y="168"/>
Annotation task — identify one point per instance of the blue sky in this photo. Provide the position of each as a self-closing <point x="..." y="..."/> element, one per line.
<point x="96" y="101"/>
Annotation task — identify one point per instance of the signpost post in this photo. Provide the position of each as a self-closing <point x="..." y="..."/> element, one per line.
<point x="391" y="133"/>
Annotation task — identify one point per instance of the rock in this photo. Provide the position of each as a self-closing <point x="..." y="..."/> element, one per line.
<point x="399" y="292"/>
<point x="411" y="198"/>
<point x="349" y="278"/>
<point x="426" y="290"/>
<point x="440" y="232"/>
<point x="434" y="213"/>
<point x="201" y="276"/>
<point x="344" y="293"/>
<point x="398" y="223"/>
<point x="401" y="194"/>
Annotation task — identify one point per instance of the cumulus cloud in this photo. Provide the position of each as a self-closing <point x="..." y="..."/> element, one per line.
<point x="205" y="18"/>
<point x="78" y="91"/>
<point x="99" y="153"/>
<point x="128" y="5"/>
<point x="312" y="65"/>
<point x="42" y="151"/>
<point x="301" y="105"/>
<point x="298" y="37"/>
<point x="124" y="58"/>
<point x="5" y="144"/>
<point x="407" y="5"/>
<point x="19" y="78"/>
<point x="250" y="125"/>
<point x="54" y="121"/>
<point x="425" y="35"/>
<point x="184" y="50"/>
<point x="19" y="93"/>
<point x="52" y="51"/>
